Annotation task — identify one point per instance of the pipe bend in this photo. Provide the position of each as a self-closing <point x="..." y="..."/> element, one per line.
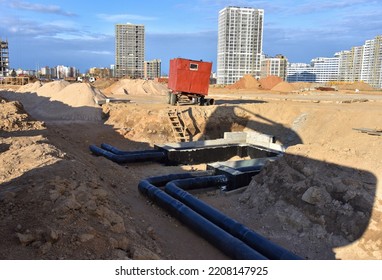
<point x="230" y="245"/>
<point x="251" y="238"/>
<point x="128" y="158"/>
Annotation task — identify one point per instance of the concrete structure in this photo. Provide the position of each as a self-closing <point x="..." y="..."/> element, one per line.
<point x="129" y="50"/>
<point x="300" y="72"/>
<point x="274" y="66"/>
<point x="100" y="72"/>
<point x="372" y="62"/>
<point x="350" y="65"/>
<point x="4" y="58"/>
<point x="320" y="70"/>
<point x="325" y="69"/>
<point x="361" y="63"/>
<point x="240" y="43"/>
<point x="152" y="69"/>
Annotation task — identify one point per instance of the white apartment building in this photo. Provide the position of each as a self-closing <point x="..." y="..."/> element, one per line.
<point x="320" y="70"/>
<point x="274" y="66"/>
<point x="325" y="69"/>
<point x="300" y="72"/>
<point x="129" y="50"/>
<point x="152" y="69"/>
<point x="372" y="62"/>
<point x="350" y="65"/>
<point x="240" y="43"/>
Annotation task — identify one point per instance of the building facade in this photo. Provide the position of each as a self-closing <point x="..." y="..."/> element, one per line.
<point x="300" y="72"/>
<point x="325" y="69"/>
<point x="371" y="72"/>
<point x="274" y="66"/>
<point x="129" y="50"/>
<point x="4" y="58"/>
<point x="240" y="43"/>
<point x="152" y="69"/>
<point x="361" y="63"/>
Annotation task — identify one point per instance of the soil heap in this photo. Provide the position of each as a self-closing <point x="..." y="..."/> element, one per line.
<point x="283" y="87"/>
<point x="269" y="82"/>
<point x="246" y="82"/>
<point x="136" y="87"/>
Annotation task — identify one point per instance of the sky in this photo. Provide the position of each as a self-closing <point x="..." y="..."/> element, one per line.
<point x="81" y="33"/>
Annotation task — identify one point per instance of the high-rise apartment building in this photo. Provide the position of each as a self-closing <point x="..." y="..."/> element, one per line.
<point x="372" y="62"/>
<point x="350" y="65"/>
<point x="129" y="50"/>
<point x="152" y="69"/>
<point x="240" y="43"/>
<point x="325" y="69"/>
<point x="361" y="63"/>
<point x="320" y="70"/>
<point x="4" y="58"/>
<point x="274" y="66"/>
<point x="300" y="72"/>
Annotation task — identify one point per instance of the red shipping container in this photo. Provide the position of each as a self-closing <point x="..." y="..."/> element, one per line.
<point x="189" y="76"/>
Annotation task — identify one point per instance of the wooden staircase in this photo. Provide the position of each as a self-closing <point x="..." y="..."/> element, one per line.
<point x="176" y="119"/>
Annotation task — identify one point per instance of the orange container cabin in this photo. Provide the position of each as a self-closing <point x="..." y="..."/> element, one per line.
<point x="189" y="78"/>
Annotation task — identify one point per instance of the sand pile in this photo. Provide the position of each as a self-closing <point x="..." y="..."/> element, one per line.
<point x="49" y="89"/>
<point x="75" y="95"/>
<point x="247" y="82"/>
<point x="74" y="102"/>
<point x="283" y="87"/>
<point x="353" y="86"/>
<point x="60" y="101"/>
<point x="31" y="87"/>
<point x="14" y="118"/>
<point x="103" y="83"/>
<point x="304" y="86"/>
<point x="136" y="87"/>
<point x="269" y="82"/>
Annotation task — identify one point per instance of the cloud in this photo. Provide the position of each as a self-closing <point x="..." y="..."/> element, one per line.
<point x="316" y="6"/>
<point x="104" y="52"/>
<point x="209" y="6"/>
<point x="17" y="27"/>
<point x="192" y="45"/>
<point x="124" y="17"/>
<point x="40" y="8"/>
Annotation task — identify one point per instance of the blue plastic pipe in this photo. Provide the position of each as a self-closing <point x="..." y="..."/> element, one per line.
<point x="254" y="240"/>
<point x="131" y="157"/>
<point x="116" y="151"/>
<point x="230" y="245"/>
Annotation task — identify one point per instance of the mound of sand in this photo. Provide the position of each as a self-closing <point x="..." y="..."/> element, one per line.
<point x="354" y="86"/>
<point x="269" y="82"/>
<point x="283" y="87"/>
<point x="75" y="95"/>
<point x="31" y="87"/>
<point x="304" y="86"/>
<point x="247" y="82"/>
<point x="103" y="83"/>
<point x="136" y="87"/>
<point x="49" y="89"/>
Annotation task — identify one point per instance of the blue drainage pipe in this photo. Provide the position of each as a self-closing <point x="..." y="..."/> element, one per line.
<point x="230" y="245"/>
<point x="116" y="151"/>
<point x="251" y="238"/>
<point x="130" y="157"/>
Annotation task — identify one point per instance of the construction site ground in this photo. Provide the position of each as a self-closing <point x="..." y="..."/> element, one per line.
<point x="321" y="200"/>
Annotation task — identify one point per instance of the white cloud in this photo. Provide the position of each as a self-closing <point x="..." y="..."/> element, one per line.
<point x="124" y="17"/>
<point x="41" y="8"/>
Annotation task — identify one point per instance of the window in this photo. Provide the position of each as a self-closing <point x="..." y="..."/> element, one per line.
<point x="194" y="66"/>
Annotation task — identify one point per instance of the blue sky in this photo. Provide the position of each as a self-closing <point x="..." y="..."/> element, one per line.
<point x="81" y="33"/>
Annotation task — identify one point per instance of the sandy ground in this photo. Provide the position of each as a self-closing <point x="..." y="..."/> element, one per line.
<point x="322" y="200"/>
